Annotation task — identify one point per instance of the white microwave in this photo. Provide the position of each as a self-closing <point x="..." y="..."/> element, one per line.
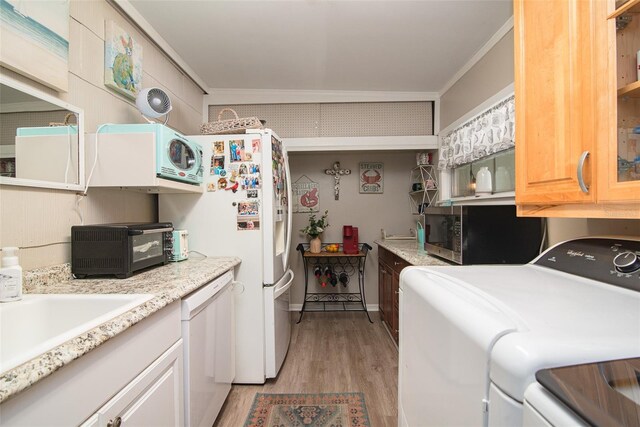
<point x="177" y="158"/>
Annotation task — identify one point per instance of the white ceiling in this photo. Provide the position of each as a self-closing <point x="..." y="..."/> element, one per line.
<point x="391" y="45"/>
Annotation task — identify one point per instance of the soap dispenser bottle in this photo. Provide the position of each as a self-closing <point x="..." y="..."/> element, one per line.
<point x="10" y="276"/>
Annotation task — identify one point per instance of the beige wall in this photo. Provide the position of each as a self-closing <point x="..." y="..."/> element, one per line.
<point x="369" y="212"/>
<point x="491" y="74"/>
<point x="41" y="217"/>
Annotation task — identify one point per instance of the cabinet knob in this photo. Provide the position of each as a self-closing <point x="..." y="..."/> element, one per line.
<point x="115" y="423"/>
<point x="583" y="157"/>
<point x="397" y="292"/>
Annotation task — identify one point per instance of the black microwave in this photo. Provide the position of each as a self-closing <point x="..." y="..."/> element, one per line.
<point x="481" y="234"/>
<point x="119" y="249"/>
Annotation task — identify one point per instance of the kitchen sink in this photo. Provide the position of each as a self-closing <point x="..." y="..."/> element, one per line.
<point x="40" y="322"/>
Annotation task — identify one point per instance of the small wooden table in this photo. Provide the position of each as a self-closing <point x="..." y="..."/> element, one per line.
<point x="334" y="270"/>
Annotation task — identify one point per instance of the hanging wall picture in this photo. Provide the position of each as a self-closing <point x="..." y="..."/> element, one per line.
<point x="305" y="195"/>
<point x="371" y="177"/>
<point x="35" y="40"/>
<point x="122" y="61"/>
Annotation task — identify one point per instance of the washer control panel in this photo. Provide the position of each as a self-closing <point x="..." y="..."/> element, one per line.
<point x="613" y="261"/>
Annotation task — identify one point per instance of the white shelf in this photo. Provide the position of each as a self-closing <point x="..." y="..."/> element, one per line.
<point x="166" y="186"/>
<point x="503" y="198"/>
<point x="368" y="143"/>
<point x="423" y="174"/>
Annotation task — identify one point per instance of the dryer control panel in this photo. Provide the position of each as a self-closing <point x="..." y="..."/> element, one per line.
<point x="613" y="261"/>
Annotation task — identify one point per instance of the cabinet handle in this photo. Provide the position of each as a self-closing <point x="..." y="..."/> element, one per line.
<point x="115" y="423"/>
<point x="396" y="263"/>
<point x="397" y="292"/>
<point x="584" y="187"/>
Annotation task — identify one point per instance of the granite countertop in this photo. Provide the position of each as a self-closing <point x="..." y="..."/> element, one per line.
<point x="166" y="283"/>
<point x="408" y="250"/>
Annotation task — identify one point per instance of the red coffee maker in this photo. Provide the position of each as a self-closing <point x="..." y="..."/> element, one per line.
<point x="350" y="239"/>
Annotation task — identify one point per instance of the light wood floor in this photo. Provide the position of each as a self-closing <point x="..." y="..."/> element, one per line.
<point x="331" y="352"/>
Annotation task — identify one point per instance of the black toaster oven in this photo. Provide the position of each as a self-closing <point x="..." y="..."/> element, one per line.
<point x="119" y="249"/>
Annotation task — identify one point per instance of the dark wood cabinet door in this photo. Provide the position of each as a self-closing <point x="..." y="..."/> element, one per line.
<point x="395" y="304"/>
<point x="381" y="278"/>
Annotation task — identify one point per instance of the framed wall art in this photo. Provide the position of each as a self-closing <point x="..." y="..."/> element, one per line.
<point x="122" y="61"/>
<point x="35" y="40"/>
<point x="305" y="195"/>
<point x="371" y="177"/>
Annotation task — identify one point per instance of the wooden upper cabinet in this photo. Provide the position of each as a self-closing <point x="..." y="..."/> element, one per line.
<point x="554" y="89"/>
<point x="567" y="105"/>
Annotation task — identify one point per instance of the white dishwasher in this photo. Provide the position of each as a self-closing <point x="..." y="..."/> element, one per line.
<point x="208" y="332"/>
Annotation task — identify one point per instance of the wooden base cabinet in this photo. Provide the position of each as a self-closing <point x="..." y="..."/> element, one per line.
<point x="389" y="268"/>
<point x="577" y="102"/>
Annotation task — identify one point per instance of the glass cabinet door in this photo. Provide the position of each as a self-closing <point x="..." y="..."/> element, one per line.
<point x="627" y="22"/>
<point x="618" y="107"/>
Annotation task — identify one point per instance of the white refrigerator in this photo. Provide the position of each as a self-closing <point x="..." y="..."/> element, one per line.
<point x="245" y="211"/>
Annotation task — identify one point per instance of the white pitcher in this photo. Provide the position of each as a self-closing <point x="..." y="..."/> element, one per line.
<point x="483" y="181"/>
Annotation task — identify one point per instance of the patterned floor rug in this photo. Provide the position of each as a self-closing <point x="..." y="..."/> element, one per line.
<point x="308" y="410"/>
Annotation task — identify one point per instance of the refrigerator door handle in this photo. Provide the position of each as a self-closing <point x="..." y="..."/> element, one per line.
<point x="279" y="290"/>
<point x="289" y="212"/>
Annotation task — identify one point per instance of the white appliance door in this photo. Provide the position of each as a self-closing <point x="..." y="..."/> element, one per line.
<point x="447" y="331"/>
<point x="289" y="209"/>
<point x="218" y="226"/>
<point x="277" y="323"/>
<point x="275" y="206"/>
<point x="208" y="333"/>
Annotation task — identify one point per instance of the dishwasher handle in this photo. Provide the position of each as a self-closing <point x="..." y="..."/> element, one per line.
<point x="197" y="300"/>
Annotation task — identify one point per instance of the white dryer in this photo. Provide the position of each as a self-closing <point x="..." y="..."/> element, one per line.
<point x="472" y="338"/>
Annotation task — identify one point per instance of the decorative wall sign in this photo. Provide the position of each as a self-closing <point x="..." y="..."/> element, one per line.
<point x="337" y="173"/>
<point x="122" y="61"/>
<point x="305" y="195"/>
<point x="35" y="40"/>
<point x="489" y="132"/>
<point x="371" y="177"/>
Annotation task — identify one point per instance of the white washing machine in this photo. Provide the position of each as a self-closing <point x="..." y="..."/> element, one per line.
<point x="473" y="338"/>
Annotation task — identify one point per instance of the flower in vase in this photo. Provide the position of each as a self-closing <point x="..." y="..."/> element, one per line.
<point x="316" y="226"/>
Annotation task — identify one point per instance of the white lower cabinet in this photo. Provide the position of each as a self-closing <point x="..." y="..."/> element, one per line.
<point x="153" y="398"/>
<point x="134" y="379"/>
<point x="141" y="376"/>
